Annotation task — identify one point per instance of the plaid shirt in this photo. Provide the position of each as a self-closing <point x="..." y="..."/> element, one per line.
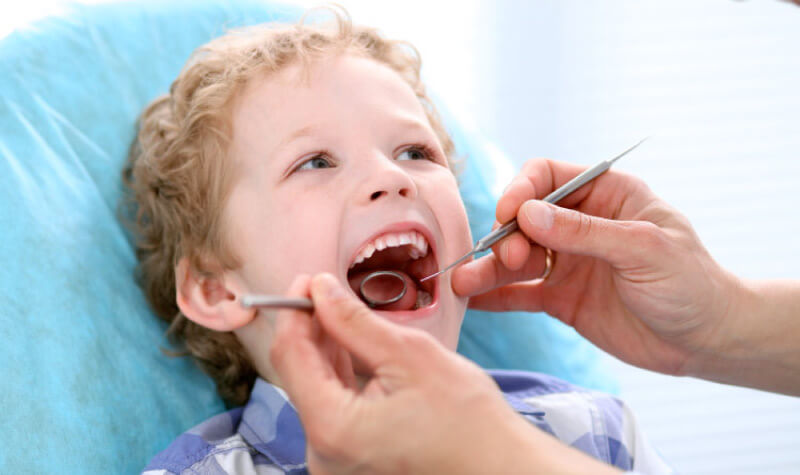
<point x="265" y="436"/>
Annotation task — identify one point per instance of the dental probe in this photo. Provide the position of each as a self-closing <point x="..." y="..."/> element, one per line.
<point x="490" y="239"/>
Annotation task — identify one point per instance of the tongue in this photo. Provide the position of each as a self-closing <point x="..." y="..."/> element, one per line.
<point x="384" y="288"/>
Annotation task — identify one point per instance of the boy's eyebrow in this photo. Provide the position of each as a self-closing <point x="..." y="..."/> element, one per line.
<point x="301" y="132"/>
<point x="310" y="130"/>
<point x="410" y="123"/>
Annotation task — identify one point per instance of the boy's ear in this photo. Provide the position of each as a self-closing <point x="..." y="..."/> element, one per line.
<point x="209" y="301"/>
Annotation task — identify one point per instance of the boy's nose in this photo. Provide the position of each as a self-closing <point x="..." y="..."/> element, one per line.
<point x="404" y="192"/>
<point x="387" y="181"/>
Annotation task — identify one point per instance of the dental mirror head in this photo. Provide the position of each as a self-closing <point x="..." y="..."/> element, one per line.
<point x="382" y="287"/>
<point x="378" y="288"/>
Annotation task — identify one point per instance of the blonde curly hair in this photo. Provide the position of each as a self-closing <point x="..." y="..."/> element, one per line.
<point x="178" y="181"/>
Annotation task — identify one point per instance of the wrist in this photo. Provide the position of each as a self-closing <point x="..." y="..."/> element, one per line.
<point x="539" y="452"/>
<point x="717" y="340"/>
<point x="755" y="344"/>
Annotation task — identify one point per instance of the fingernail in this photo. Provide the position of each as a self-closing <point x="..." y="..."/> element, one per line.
<point x="539" y="215"/>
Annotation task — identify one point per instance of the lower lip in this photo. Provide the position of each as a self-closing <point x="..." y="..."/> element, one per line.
<point x="404" y="316"/>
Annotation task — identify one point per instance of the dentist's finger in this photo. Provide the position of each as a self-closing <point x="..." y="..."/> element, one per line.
<point x="340" y="360"/>
<point x="488" y="273"/>
<point x="300" y="287"/>
<point x="344" y="369"/>
<point x="313" y="385"/>
<point x="360" y="331"/>
<point x="521" y="189"/>
<point x="537" y="179"/>
<point x="300" y="360"/>
<point x="565" y="230"/>
<point x="513" y="251"/>
<point x="520" y="297"/>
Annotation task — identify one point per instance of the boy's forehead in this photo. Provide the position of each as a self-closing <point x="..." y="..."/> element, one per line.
<point x="334" y="85"/>
<point x="321" y="103"/>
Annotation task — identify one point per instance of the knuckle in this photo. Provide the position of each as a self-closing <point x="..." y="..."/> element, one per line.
<point x="353" y="312"/>
<point x="360" y="313"/>
<point x="519" y="190"/>
<point x="637" y="184"/>
<point x="329" y="440"/>
<point x="651" y="238"/>
<point x="395" y="342"/>
<point x="417" y="342"/>
<point x="533" y="166"/>
<point x="506" y="298"/>
<point x="583" y="225"/>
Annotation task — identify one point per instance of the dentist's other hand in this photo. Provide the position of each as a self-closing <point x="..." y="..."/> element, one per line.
<point x="630" y="273"/>
<point x="423" y="409"/>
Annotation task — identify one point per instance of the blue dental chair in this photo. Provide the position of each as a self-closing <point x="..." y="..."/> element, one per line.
<point x="86" y="387"/>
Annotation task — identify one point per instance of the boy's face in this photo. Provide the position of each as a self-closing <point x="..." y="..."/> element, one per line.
<point x="332" y="161"/>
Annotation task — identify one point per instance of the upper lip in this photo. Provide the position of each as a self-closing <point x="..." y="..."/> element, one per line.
<point x="399" y="227"/>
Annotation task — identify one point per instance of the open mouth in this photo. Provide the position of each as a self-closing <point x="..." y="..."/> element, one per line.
<point x="406" y="253"/>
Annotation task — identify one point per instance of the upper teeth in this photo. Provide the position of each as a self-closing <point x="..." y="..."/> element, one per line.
<point x="419" y="245"/>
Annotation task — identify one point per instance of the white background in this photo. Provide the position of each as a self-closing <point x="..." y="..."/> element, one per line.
<point x="716" y="83"/>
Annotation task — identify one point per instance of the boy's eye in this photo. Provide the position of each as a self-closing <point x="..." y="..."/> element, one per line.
<point x="315" y="162"/>
<point x="414" y="153"/>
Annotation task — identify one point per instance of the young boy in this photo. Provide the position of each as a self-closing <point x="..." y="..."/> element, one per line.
<point x="298" y="150"/>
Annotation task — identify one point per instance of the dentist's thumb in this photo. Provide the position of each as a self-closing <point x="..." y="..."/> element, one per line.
<point x="353" y="325"/>
<point x="569" y="231"/>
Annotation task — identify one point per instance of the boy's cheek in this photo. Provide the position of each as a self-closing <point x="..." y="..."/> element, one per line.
<point x="451" y="211"/>
<point x="461" y="224"/>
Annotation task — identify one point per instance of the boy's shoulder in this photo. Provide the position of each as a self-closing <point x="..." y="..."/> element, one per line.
<point x="596" y="423"/>
<point x="526" y="391"/>
<point x="263" y="437"/>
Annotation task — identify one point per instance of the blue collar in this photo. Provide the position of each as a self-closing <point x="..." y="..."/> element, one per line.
<point x="271" y="425"/>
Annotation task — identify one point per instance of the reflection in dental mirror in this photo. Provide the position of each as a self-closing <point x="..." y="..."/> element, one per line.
<point x="382" y="287"/>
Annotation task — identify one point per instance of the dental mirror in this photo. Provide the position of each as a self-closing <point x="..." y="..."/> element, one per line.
<point x="382" y="287"/>
<point x="378" y="288"/>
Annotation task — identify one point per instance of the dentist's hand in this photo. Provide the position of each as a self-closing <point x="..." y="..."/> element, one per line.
<point x="630" y="273"/>
<point x="424" y="409"/>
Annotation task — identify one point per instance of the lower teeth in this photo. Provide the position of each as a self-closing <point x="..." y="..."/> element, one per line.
<point x="423" y="299"/>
